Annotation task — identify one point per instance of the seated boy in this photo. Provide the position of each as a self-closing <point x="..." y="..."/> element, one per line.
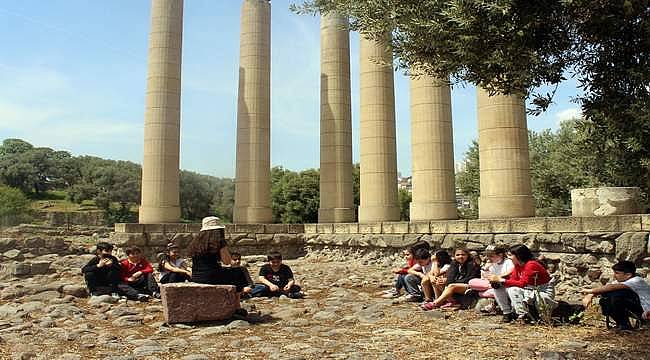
<point x="172" y="267"/>
<point x="628" y="293"/>
<point x="236" y="263"/>
<point x="417" y="274"/>
<point x="138" y="282"/>
<point x="102" y="273"/>
<point x="276" y="279"/>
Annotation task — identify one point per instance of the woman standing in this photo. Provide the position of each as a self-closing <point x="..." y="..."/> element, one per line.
<point x="529" y="287"/>
<point x="209" y="252"/>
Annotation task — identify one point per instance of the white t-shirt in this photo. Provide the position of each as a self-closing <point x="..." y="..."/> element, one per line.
<point x="424" y="269"/>
<point x="502" y="268"/>
<point x="641" y="288"/>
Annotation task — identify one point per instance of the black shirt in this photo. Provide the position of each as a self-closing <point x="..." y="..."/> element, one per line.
<point x="206" y="268"/>
<point x="280" y="278"/>
<point x="91" y="267"/>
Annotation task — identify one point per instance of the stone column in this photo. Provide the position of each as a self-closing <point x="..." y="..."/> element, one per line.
<point x="504" y="158"/>
<point x="434" y="189"/>
<point x="336" y="196"/>
<point x="160" y="167"/>
<point x="253" y="172"/>
<point x="377" y="130"/>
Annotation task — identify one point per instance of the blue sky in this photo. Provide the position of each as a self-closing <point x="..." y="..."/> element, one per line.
<point x="73" y="78"/>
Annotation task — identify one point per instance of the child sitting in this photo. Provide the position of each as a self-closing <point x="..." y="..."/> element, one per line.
<point x="236" y="263"/>
<point x="435" y="282"/>
<point x="400" y="275"/>
<point x="461" y="271"/>
<point x="276" y="279"/>
<point x="628" y="293"/>
<point x="498" y="265"/>
<point x="172" y="267"/>
<point x="102" y="273"/>
<point x="417" y="275"/>
<point x="138" y="282"/>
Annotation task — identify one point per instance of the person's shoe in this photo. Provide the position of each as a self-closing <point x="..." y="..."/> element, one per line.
<point x="412" y="298"/>
<point x="390" y="294"/>
<point x="449" y="305"/>
<point x="429" y="306"/>
<point x="507" y="318"/>
<point x="143" y="297"/>
<point x="115" y="296"/>
<point x="296" y="295"/>
<point x="156" y="295"/>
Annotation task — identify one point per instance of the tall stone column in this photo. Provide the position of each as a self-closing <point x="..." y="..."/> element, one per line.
<point x="253" y="172"/>
<point x="378" y="152"/>
<point x="160" y="168"/>
<point x="336" y="196"/>
<point x="504" y="159"/>
<point x="434" y="189"/>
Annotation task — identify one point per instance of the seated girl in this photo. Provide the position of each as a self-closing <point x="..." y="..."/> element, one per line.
<point x="498" y="264"/>
<point x="529" y="287"/>
<point x="460" y="272"/>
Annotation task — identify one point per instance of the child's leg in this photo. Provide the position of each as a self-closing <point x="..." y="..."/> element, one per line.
<point x="151" y="286"/>
<point x="427" y="288"/>
<point x="260" y="290"/>
<point x="450" y="290"/>
<point x="412" y="283"/>
<point x="618" y="304"/>
<point x="128" y="291"/>
<point x="400" y="282"/>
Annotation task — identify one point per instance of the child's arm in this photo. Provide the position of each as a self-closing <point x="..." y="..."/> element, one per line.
<point x="169" y="267"/>
<point x="586" y="301"/>
<point x="416" y="270"/>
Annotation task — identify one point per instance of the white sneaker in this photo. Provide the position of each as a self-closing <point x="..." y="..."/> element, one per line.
<point x="390" y="295"/>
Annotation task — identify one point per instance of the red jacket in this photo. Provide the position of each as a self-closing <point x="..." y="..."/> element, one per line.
<point x="532" y="273"/>
<point x="405" y="270"/>
<point x="129" y="269"/>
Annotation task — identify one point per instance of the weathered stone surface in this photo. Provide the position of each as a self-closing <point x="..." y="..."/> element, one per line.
<point x="605" y="201"/>
<point x="75" y="290"/>
<point x="390" y="227"/>
<point x="604" y="223"/>
<point x="370" y="228"/>
<point x="457" y="226"/>
<point x="7" y="244"/>
<point x="296" y="229"/>
<point x="645" y="222"/>
<point x="420" y="227"/>
<point x="632" y="246"/>
<point x="190" y="302"/>
<point x="508" y="240"/>
<point x="128" y="239"/>
<point x="325" y="228"/>
<point x="528" y="225"/>
<point x="310" y="229"/>
<point x="34" y="242"/>
<point x="129" y="228"/>
<point x="438" y="227"/>
<point x="13" y="254"/>
<point x="563" y="224"/>
<point x="39" y="267"/>
<point x="276" y="228"/>
<point x="629" y="222"/>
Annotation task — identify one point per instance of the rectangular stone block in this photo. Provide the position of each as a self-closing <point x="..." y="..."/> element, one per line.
<point x="600" y="223"/>
<point x="249" y="228"/>
<point x="276" y="228"/>
<point x="645" y="222"/>
<point x="479" y="226"/>
<point x="390" y="227"/>
<point x="296" y="229"/>
<point x="420" y="227"/>
<point x="196" y="227"/>
<point x="500" y="226"/>
<point x="325" y="228"/>
<point x="438" y="227"/>
<point x="127" y="239"/>
<point x="370" y="228"/>
<point x="342" y="228"/>
<point x="310" y="229"/>
<point x="128" y="228"/>
<point x="564" y="224"/>
<point x="174" y="228"/>
<point x="528" y="225"/>
<point x="191" y="302"/>
<point x="154" y="228"/>
<point x="629" y="223"/>
<point x="457" y="226"/>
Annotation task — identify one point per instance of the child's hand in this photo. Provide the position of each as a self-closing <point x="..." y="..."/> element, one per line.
<point x="287" y="288"/>
<point x="274" y="288"/>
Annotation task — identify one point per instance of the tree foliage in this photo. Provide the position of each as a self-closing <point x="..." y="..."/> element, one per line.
<point x="468" y="181"/>
<point x="295" y="195"/>
<point x="526" y="47"/>
<point x="14" y="206"/>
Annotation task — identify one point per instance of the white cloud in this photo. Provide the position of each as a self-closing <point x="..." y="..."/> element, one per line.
<point x="567" y="114"/>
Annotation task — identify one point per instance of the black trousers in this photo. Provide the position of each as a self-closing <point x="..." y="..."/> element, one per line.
<point x="145" y="284"/>
<point x="222" y="276"/>
<point x="103" y="281"/>
<point x="174" y="277"/>
<point x="619" y="305"/>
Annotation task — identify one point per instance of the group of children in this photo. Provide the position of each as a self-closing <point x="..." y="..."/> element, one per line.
<point x="520" y="284"/>
<point x="133" y="277"/>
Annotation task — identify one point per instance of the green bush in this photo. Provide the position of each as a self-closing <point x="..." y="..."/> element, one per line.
<point x="14" y="206"/>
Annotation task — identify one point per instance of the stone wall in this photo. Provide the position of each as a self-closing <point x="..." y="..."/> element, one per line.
<point x="63" y="218"/>
<point x="580" y="250"/>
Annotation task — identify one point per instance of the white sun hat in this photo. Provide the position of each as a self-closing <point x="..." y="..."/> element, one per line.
<point x="211" y="223"/>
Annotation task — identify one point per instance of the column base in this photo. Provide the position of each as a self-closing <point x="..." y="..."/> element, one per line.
<point x="378" y="213"/>
<point x="513" y="206"/>
<point x="336" y="215"/>
<point x="434" y="210"/>
<point x="252" y="215"/>
<point x="159" y="214"/>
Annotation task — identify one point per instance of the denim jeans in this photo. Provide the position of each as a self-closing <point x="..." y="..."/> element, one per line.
<point x="412" y="285"/>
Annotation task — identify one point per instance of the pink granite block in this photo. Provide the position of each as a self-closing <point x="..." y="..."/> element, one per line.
<point x="191" y="302"/>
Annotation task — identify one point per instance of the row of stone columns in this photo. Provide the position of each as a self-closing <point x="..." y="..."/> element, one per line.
<point x="503" y="138"/>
